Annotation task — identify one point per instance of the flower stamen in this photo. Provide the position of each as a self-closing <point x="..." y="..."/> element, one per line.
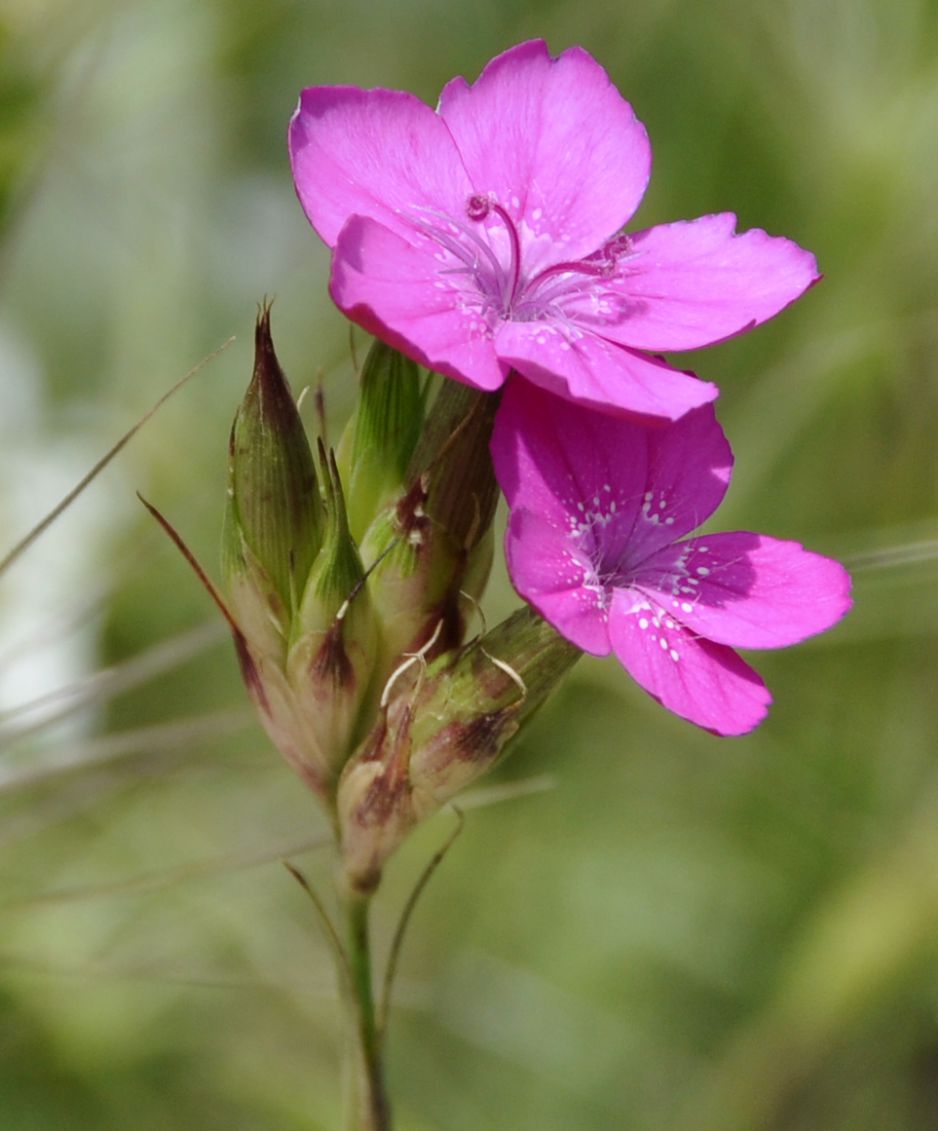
<point x="478" y="207"/>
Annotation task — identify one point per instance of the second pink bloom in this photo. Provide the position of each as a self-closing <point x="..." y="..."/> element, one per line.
<point x="597" y="543"/>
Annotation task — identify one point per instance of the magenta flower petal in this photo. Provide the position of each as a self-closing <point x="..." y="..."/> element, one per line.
<point x="696" y="282"/>
<point x="388" y="286"/>
<point x="581" y="367"/>
<point x="748" y="590"/>
<point x="551" y="461"/>
<point x="556" y="581"/>
<point x="706" y="683"/>
<point x="569" y="159"/>
<point x="688" y="472"/>
<point x="378" y="153"/>
<point x="598" y="507"/>
<point x="642" y="486"/>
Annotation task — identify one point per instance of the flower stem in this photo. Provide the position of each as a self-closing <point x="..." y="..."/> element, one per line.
<point x="394" y="954"/>
<point x="367" y="1107"/>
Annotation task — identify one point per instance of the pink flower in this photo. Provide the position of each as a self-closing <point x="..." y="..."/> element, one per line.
<point x="485" y="236"/>
<point x="599" y="510"/>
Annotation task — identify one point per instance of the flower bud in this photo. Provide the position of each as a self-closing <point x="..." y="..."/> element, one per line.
<point x="444" y="727"/>
<point x="334" y="638"/>
<point x="275" y="515"/>
<point x="434" y="542"/>
<point x="378" y="442"/>
<point x="473" y="702"/>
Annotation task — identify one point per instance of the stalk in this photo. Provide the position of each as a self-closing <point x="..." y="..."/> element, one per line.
<point x="367" y="1107"/>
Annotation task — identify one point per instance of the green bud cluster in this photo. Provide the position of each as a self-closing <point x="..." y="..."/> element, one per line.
<point x="447" y="724"/>
<point x="349" y="578"/>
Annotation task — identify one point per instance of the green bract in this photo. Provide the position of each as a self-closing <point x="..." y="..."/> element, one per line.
<point x="376" y="447"/>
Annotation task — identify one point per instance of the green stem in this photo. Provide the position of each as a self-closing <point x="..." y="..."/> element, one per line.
<point x="366" y="1099"/>
<point x="398" y="940"/>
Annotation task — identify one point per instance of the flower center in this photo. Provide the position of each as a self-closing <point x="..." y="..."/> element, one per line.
<point x="486" y="264"/>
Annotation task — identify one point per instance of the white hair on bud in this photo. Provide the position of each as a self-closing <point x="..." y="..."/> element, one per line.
<point x="418" y="657"/>
<point x="508" y="670"/>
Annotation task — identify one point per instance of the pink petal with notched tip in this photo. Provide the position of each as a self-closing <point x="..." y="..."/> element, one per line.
<point x="561" y="458"/>
<point x="377" y="153"/>
<point x="703" y="682"/>
<point x="391" y="288"/>
<point x="582" y="367"/>
<point x="696" y="282"/>
<point x="747" y="590"/>
<point x="553" y="457"/>
<point x="555" y="135"/>
<point x="689" y="469"/>
<point x="556" y="581"/>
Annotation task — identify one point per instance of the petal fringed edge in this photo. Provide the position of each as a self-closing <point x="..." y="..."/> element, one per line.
<point x="696" y="282"/>
<point x="748" y="590"/>
<point x="708" y="684"/>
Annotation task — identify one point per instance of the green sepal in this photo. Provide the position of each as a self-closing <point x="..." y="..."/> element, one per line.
<point x="335" y="635"/>
<point x="274" y="497"/>
<point x="337" y="571"/>
<point x="453" y="459"/>
<point x="255" y="601"/>
<point x="442" y="727"/>
<point x="471" y="703"/>
<point x="432" y="546"/>
<point x="378" y="442"/>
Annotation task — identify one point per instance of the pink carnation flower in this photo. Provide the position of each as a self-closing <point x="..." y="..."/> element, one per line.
<point x="599" y="510"/>
<point x="485" y="236"/>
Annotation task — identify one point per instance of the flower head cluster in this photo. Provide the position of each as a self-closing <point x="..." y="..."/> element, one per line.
<point x="347" y="590"/>
<point x="486" y="240"/>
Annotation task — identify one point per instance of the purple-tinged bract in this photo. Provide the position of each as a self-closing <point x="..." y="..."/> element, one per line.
<point x="487" y="236"/>
<point x="596" y="542"/>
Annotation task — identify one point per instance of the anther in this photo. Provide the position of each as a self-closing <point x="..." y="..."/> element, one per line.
<point x="478" y="206"/>
<point x="617" y="246"/>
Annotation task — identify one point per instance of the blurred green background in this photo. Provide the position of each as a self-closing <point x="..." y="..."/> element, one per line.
<point x="661" y="929"/>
